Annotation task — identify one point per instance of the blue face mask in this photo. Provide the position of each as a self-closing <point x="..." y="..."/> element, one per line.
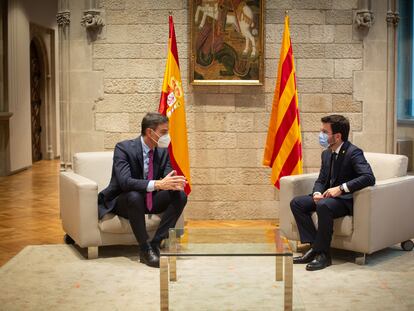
<point x="323" y="139"/>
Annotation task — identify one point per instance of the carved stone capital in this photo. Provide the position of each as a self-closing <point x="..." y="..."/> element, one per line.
<point x="396" y="18"/>
<point x="93" y="23"/>
<point x="92" y="20"/>
<point x="393" y="18"/>
<point x="364" y="18"/>
<point x="63" y="18"/>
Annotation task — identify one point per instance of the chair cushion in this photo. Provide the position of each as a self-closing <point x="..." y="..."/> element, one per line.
<point x="112" y="223"/>
<point x="96" y="166"/>
<point x="386" y="165"/>
<point x="343" y="226"/>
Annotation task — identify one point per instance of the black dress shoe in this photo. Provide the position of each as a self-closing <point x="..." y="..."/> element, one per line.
<point x="149" y="257"/>
<point x="306" y="258"/>
<point x="156" y="248"/>
<point x="321" y="261"/>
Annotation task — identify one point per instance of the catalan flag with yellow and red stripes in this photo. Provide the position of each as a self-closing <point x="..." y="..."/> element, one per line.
<point x="172" y="105"/>
<point x="283" y="150"/>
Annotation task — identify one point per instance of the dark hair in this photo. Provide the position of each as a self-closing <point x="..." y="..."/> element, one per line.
<point x="152" y="120"/>
<point x="339" y="124"/>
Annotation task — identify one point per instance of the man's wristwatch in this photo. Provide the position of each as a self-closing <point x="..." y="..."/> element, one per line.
<point x="341" y="187"/>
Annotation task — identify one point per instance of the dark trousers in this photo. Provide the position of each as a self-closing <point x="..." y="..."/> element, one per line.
<point x="131" y="205"/>
<point x="327" y="210"/>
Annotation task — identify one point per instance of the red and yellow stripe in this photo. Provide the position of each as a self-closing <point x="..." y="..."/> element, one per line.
<point x="172" y="105"/>
<point x="283" y="150"/>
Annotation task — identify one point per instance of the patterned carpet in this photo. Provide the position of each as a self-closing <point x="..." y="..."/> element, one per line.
<point x="57" y="277"/>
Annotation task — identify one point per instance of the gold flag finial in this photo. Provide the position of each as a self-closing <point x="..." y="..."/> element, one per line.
<point x="286" y="13"/>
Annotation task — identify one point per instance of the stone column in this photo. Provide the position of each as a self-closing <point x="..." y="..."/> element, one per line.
<point x="18" y="86"/>
<point x="4" y="114"/>
<point x="63" y="21"/>
<point x="392" y="18"/>
<point x="49" y="120"/>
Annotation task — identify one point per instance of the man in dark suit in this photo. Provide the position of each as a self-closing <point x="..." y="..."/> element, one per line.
<point x="143" y="182"/>
<point x="344" y="170"/>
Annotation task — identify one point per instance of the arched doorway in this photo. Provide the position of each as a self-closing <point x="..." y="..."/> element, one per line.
<point x="43" y="85"/>
<point x="36" y="96"/>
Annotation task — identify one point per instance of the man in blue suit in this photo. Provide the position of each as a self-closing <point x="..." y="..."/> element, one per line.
<point x="143" y="182"/>
<point x="344" y="170"/>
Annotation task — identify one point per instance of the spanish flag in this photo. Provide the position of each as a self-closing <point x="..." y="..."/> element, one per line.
<point x="172" y="105"/>
<point x="283" y="150"/>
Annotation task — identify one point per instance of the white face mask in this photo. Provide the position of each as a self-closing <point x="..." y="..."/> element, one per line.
<point x="163" y="141"/>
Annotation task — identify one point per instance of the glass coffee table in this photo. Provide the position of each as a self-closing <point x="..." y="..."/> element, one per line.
<point x="237" y="241"/>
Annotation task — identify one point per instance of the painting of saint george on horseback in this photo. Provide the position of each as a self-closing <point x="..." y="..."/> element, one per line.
<point x="226" y="41"/>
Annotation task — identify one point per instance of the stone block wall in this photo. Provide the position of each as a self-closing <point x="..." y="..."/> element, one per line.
<point x="227" y="125"/>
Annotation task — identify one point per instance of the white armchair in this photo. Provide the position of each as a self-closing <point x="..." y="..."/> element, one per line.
<point x="383" y="214"/>
<point x="79" y="210"/>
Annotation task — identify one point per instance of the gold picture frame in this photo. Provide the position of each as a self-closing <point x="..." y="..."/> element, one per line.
<point x="226" y="42"/>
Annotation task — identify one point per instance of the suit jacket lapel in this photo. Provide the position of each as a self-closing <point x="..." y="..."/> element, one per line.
<point x="140" y="157"/>
<point x="340" y="159"/>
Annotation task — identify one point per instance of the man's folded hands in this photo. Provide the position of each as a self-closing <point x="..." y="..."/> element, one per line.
<point x="171" y="182"/>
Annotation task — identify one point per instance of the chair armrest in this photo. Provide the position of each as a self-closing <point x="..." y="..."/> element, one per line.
<point x="79" y="209"/>
<point x="383" y="213"/>
<point x="298" y="184"/>
<point x="290" y="187"/>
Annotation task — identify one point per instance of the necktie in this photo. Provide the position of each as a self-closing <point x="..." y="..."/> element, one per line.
<point x="150" y="176"/>
<point x="332" y="172"/>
